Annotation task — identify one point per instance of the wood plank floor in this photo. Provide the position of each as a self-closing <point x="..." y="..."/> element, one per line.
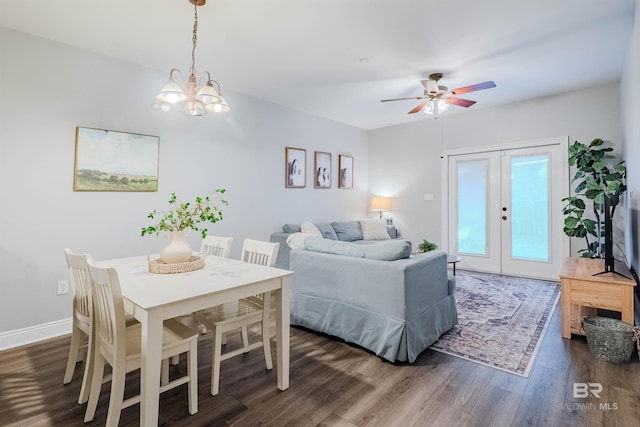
<point x="335" y="384"/>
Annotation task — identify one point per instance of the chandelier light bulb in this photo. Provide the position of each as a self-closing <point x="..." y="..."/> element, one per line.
<point x="172" y="98"/>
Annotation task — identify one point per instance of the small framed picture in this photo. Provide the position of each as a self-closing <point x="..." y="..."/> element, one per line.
<point x="295" y="167"/>
<point x="322" y="170"/>
<point x="345" y="176"/>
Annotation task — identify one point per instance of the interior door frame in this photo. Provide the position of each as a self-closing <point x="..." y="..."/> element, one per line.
<point x="562" y="141"/>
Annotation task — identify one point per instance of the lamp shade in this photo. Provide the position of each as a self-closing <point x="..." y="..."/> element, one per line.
<point x="171" y="93"/>
<point x="218" y="107"/>
<point x="208" y="95"/>
<point x="382" y="204"/>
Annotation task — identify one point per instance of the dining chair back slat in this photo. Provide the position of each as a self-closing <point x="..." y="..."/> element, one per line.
<point x="217" y="246"/>
<point x="110" y="309"/>
<point x="258" y="252"/>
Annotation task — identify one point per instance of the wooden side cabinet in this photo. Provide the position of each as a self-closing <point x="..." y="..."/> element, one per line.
<point x="583" y="293"/>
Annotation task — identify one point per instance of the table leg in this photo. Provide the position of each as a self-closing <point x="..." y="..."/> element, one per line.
<point x="565" y="297"/>
<point x="151" y="347"/>
<point x="282" y="332"/>
<point x="626" y="313"/>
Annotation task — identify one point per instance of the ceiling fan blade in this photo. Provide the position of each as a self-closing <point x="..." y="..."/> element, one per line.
<point x="418" y="108"/>
<point x="473" y="88"/>
<point x="460" y="102"/>
<point x="402" y="99"/>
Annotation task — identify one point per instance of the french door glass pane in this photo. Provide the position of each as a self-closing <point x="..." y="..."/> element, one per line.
<point x="530" y="207"/>
<point x="472" y="206"/>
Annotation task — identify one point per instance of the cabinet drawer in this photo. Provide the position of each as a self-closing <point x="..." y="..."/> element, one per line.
<point x="600" y="295"/>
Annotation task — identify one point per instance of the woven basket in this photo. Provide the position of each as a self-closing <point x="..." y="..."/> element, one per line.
<point x="610" y="339"/>
<point x="159" y="267"/>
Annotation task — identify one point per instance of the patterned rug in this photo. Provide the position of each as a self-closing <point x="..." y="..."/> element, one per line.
<point x="501" y="320"/>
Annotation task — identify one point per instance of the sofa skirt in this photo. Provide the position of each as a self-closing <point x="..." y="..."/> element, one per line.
<point x="391" y="339"/>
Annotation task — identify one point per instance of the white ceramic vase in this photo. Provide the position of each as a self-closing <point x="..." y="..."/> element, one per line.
<point x="177" y="249"/>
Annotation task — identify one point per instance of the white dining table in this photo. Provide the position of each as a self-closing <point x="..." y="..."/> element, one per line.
<point x="152" y="298"/>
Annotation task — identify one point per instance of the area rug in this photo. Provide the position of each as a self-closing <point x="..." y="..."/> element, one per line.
<point x="501" y="320"/>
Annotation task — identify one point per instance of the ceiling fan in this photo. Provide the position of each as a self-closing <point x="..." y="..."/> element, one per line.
<point x="438" y="97"/>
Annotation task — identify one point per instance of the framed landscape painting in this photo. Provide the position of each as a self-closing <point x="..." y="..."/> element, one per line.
<point x="322" y="170"/>
<point x="295" y="167"/>
<point x="345" y="169"/>
<point x="108" y="160"/>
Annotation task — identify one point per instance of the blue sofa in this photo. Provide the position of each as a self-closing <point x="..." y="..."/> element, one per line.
<point x="396" y="309"/>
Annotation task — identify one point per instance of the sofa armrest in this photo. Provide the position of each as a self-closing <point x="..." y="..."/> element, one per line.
<point x="426" y="281"/>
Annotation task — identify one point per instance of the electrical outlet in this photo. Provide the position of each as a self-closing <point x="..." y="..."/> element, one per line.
<point x="63" y="287"/>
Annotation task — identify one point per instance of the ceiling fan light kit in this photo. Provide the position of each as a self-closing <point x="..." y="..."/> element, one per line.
<point x="435" y="106"/>
<point x="199" y="99"/>
<point x="438" y="98"/>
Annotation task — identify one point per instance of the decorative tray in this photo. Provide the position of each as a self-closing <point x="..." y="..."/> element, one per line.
<point x="159" y="267"/>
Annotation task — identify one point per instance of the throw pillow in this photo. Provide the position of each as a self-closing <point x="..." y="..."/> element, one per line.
<point x="374" y="229"/>
<point x="291" y="228"/>
<point x="307" y="227"/>
<point x="347" y="231"/>
<point x="327" y="231"/>
<point x="296" y="240"/>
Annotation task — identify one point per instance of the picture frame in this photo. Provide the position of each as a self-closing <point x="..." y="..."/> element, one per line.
<point x="345" y="171"/>
<point x="322" y="169"/>
<point x="295" y="167"/>
<point x="108" y="160"/>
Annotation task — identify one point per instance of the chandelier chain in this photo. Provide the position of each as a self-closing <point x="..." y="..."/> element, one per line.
<point x="194" y="39"/>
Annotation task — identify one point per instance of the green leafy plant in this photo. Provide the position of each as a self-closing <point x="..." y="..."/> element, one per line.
<point x="182" y="216"/>
<point x="427" y="246"/>
<point x="599" y="176"/>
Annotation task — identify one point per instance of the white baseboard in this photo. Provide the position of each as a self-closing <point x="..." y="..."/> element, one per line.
<point x="32" y="334"/>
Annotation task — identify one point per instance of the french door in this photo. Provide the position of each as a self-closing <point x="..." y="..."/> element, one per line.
<point x="505" y="210"/>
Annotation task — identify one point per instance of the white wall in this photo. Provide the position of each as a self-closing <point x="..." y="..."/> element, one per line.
<point x="404" y="161"/>
<point x="630" y="92"/>
<point x="47" y="89"/>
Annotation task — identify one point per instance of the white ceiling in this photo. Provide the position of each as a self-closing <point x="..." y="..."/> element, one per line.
<point x="307" y="54"/>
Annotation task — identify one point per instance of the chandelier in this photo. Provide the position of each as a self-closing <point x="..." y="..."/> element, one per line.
<point x="199" y="99"/>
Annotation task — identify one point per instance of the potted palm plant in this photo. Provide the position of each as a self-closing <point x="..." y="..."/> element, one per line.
<point x="182" y="216"/>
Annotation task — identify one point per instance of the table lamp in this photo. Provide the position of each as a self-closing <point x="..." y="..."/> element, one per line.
<point x="381" y="204"/>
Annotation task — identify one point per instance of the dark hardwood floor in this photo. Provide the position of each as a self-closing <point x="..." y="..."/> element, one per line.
<point x="335" y="384"/>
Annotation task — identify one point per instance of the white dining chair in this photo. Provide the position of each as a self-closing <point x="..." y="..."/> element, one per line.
<point x="211" y="246"/>
<point x="119" y="346"/>
<point x="237" y="315"/>
<point x="216" y="246"/>
<point x="81" y="323"/>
